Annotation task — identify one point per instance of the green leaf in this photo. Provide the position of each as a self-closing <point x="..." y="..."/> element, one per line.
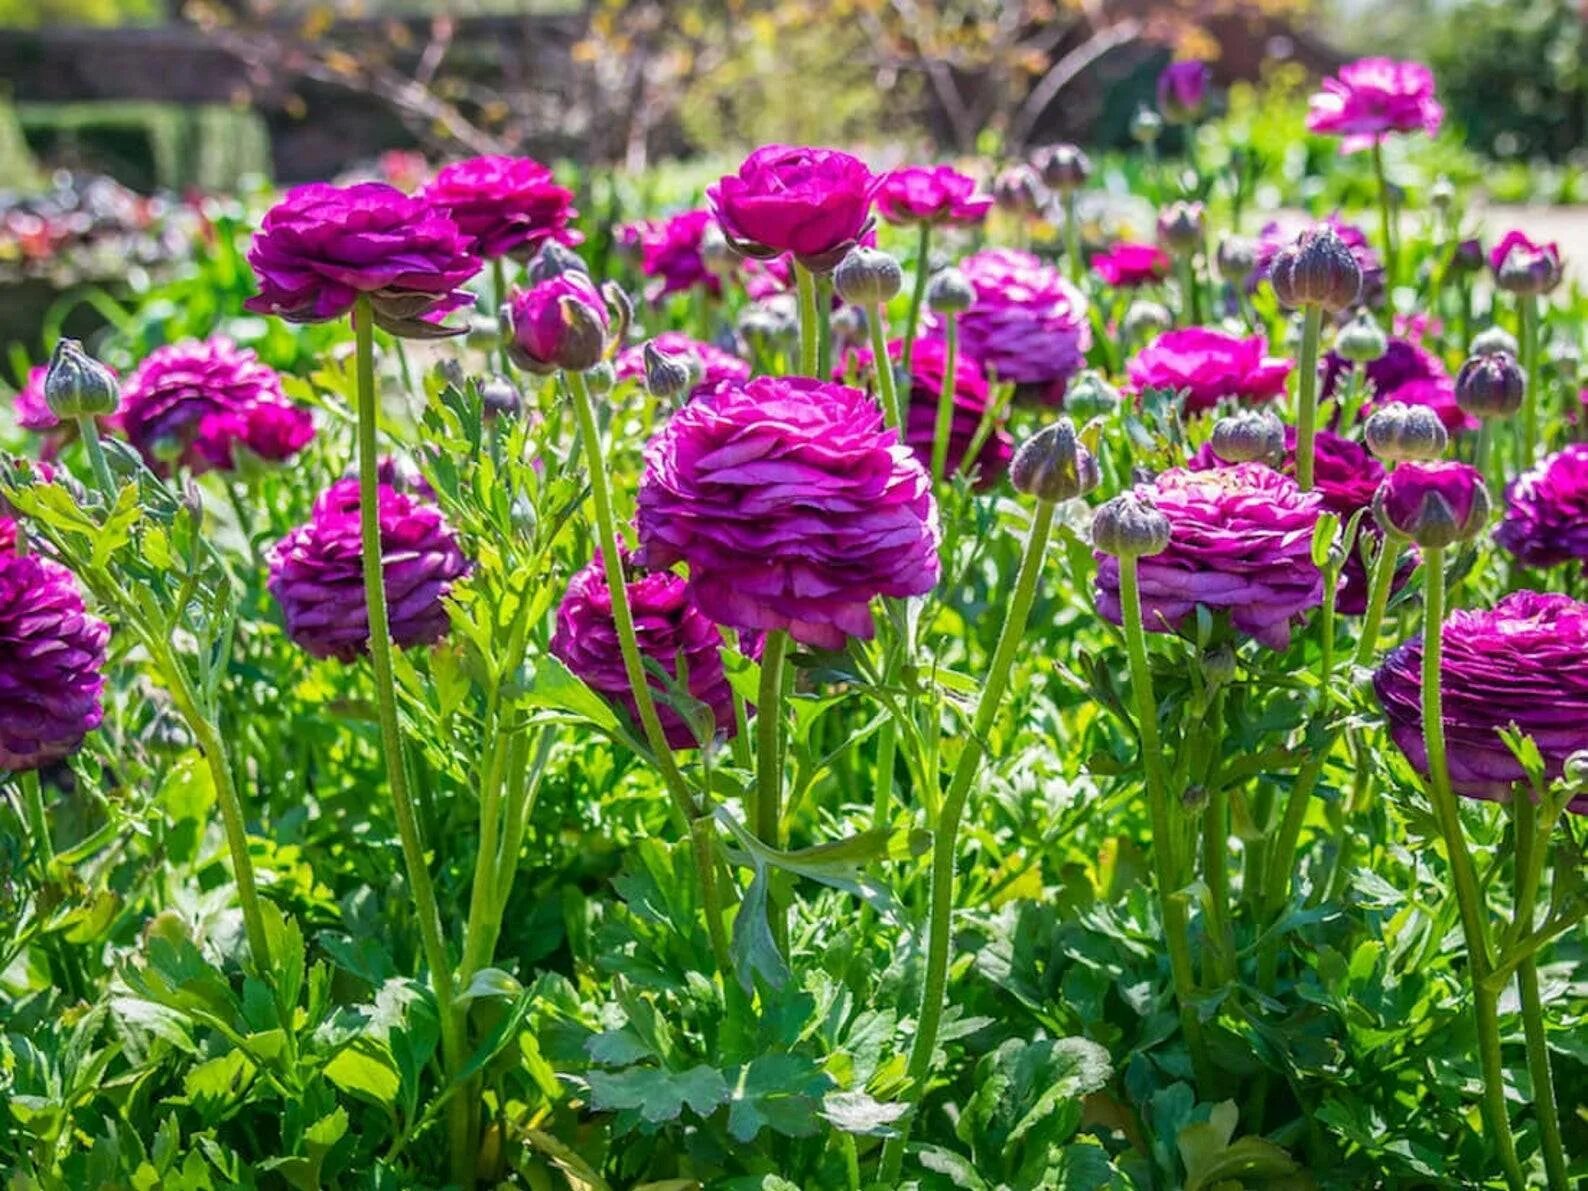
<point x="655" y="1094"/>
<point x="860" y="1113"/>
<point x="781" y="1092"/>
<point x="367" y="1073"/>
<point x="490" y="982"/>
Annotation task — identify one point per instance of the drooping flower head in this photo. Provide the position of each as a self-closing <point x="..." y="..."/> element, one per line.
<point x="713" y="365"/>
<point x="1518" y="664"/>
<point x="1546" y="511"/>
<point x="1183" y="90"/>
<point x="792" y="506"/>
<point x="1209" y="366"/>
<point x="51" y="655"/>
<point x="316" y="572"/>
<point x="1240" y="543"/>
<point x="670" y="631"/>
<point x="1126" y="265"/>
<point x="1373" y="97"/>
<point x="322" y="246"/>
<point x="1028" y="324"/>
<point x="670" y="254"/>
<point x="505" y="206"/>
<point x="195" y="402"/>
<point x="1408" y="373"/>
<point x="928" y="368"/>
<point x="919" y="194"/>
<point x="814" y="203"/>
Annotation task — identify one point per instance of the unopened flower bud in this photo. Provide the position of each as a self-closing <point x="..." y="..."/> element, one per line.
<point x="1528" y="268"/>
<point x="484" y="333"/>
<point x="1218" y="665"/>
<point x="1144" y="319"/>
<point x="1491" y="386"/>
<point x="1492" y="340"/>
<point x="1361" y="340"/>
<point x="1236" y="259"/>
<point x="868" y="277"/>
<point x="849" y="326"/>
<point x="553" y="260"/>
<point x="1317" y="270"/>
<point x="1441" y="195"/>
<point x="1146" y="126"/>
<point x="1052" y="465"/>
<point x="1129" y="526"/>
<point x="583" y="342"/>
<point x="1018" y="190"/>
<point x="500" y="397"/>
<point x="1399" y="433"/>
<point x="1433" y="504"/>
<point x="1249" y="435"/>
<point x="1064" y="168"/>
<point x="1180" y="227"/>
<point x="1090" y="396"/>
<point x="1575" y="770"/>
<point x="764" y="326"/>
<point x="600" y="378"/>
<point x="715" y="253"/>
<point x="667" y="377"/>
<point x="78" y="386"/>
<point x="949" y="292"/>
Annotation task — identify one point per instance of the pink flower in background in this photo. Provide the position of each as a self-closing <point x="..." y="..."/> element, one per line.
<point x="1125" y="264"/>
<point x="1407" y="372"/>
<point x="1209" y="366"/>
<point x="30" y="408"/>
<point x="1545" y="523"/>
<point x="1373" y="97"/>
<point x="814" y="203"/>
<point x="506" y="206"/>
<point x="669" y="253"/>
<point x="931" y="194"/>
<point x="1183" y="90"/>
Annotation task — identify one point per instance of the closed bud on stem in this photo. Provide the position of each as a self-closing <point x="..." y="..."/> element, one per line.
<point x="1433" y="504"/>
<point x="600" y="378"/>
<point x="1090" y="396"/>
<point x="949" y="292"/>
<point x="849" y="324"/>
<point x="1574" y="773"/>
<point x="1144" y="319"/>
<point x="1494" y="339"/>
<point x="1146" y="126"/>
<point x="1236" y="259"/>
<point x="667" y="378"/>
<point x="1399" y="433"/>
<point x="78" y="386"/>
<point x="1018" y="190"/>
<point x="1180" y="227"/>
<point x="1129" y="526"/>
<point x="1218" y="665"/>
<point x="1441" y="195"/>
<point x="583" y="343"/>
<point x="1064" y="168"/>
<point x="764" y="327"/>
<point x="553" y="260"/>
<point x="868" y="277"/>
<point x="1491" y="386"/>
<point x="1317" y="270"/>
<point x="1052" y="465"/>
<point x="500" y="397"/>
<point x="1361" y="340"/>
<point x="716" y="253"/>
<point x="1248" y="436"/>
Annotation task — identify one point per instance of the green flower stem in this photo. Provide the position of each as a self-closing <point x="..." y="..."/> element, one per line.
<point x="38" y="820"/>
<point x="887" y="752"/>
<point x="1386" y="229"/>
<point x="887" y="384"/>
<point x="425" y="907"/>
<point x="1378" y="597"/>
<point x="946" y="828"/>
<point x="945" y="399"/>
<point x="89" y="430"/>
<point x="1531" y="851"/>
<point x="1527" y="317"/>
<point x="741" y="714"/>
<point x="768" y="818"/>
<point x="1468" y="895"/>
<point x="1307" y="397"/>
<point x="1484" y="457"/>
<point x="499" y="280"/>
<point x="1072" y="240"/>
<point x="824" y="328"/>
<point x="923" y="267"/>
<point x="1191" y="295"/>
<point x="1215" y="871"/>
<point x="810" y="333"/>
<point x="1165" y="849"/>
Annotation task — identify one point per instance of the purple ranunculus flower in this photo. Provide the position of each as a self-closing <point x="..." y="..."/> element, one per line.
<point x="919" y="194"/>
<point x="670" y="254"/>
<point x="814" y="203"/>
<point x="1240" y="542"/>
<point x="1407" y="372"/>
<point x="792" y="505"/>
<point x="197" y="401"/>
<point x="30" y="408"/>
<point x="322" y="246"/>
<point x="1125" y="265"/>
<point x="541" y="330"/>
<point x="928" y="367"/>
<point x="1518" y="664"/>
<point x="716" y="365"/>
<point x="667" y="626"/>
<point x="1209" y="366"/>
<point x="1029" y="325"/>
<point x="316" y="572"/>
<point x="1183" y="90"/>
<point x="505" y="206"/>
<point x="1546" y="511"/>
<point x="1418" y="496"/>
<point x="51" y="655"/>
<point x="1373" y="97"/>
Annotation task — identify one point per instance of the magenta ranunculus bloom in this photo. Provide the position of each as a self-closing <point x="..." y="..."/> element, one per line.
<point x="1373" y="97"/>
<point x="669" y="254"/>
<point x="322" y="245"/>
<point x="1240" y="543"/>
<point x="194" y="403"/>
<point x="541" y="332"/>
<point x="931" y="194"/>
<point x="792" y="505"/>
<point x="316" y="572"/>
<point x="1546" y="515"/>
<point x="1273" y="238"/>
<point x="1029" y="325"/>
<point x="1209" y="366"/>
<point x="30" y="408"/>
<point x="1407" y="372"/>
<point x="51" y="655"/>
<point x="1519" y="663"/>
<point x="928" y="367"/>
<point x="1411" y="493"/>
<point x="1183" y="90"/>
<point x="1516" y="252"/>
<point x="667" y="626"/>
<point x="814" y="203"/>
<point x="506" y="206"/>
<point x="1127" y="265"/>
<point x="715" y="365"/>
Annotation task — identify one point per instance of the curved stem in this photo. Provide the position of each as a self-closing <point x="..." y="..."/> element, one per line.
<point x="1378" y="597"/>
<point x="1468" y="895"/>
<point x="810" y="334"/>
<point x="946" y="829"/>
<point x="944" y="420"/>
<point x="425" y="907"/>
<point x="887" y="384"/>
<point x="1527" y="314"/>
<point x="1530" y="853"/>
<point x="923" y="267"/>
<point x="1307" y="397"/>
<point x="89" y="430"/>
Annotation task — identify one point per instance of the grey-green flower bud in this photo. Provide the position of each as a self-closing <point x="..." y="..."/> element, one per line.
<point x="1146" y="126"/>
<point x="600" y="378"/>
<point x="1129" y="526"/>
<point x="1236" y="259"/>
<point x="1361" y="340"/>
<point x="1052" y="465"/>
<point x="78" y="386"/>
<point x="950" y="292"/>
<point x="1064" y="168"/>
<point x="1145" y="319"/>
<point x="500" y="397"/>
<point x="553" y="260"/>
<point x="1494" y="339"/>
<point x="868" y="277"/>
<point x="1248" y="436"/>
<point x="1090" y="396"/>
<point x="1180" y="227"/>
<point x="1018" y="190"/>
<point x="1400" y="433"/>
<point x="1317" y="270"/>
<point x="667" y="377"/>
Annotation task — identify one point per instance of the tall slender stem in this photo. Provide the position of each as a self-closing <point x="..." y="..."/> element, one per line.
<point x="38" y="820"/>
<point x="768" y="819"/>
<point x="944" y="420"/>
<point x="810" y="333"/>
<point x="1531" y="851"/>
<point x="89" y="430"/>
<point x="1386" y="229"/>
<point x="887" y="384"/>
<point x="425" y="907"/>
<point x="923" y="267"/>
<point x="946" y="829"/>
<point x="1527" y="314"/>
<point x="499" y="280"/>
<point x="1307" y="397"/>
<point x="1469" y="896"/>
<point x="1378" y="597"/>
<point x="1072" y="240"/>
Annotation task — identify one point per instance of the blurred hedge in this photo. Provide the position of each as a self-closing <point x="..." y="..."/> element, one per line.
<point x="151" y="146"/>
